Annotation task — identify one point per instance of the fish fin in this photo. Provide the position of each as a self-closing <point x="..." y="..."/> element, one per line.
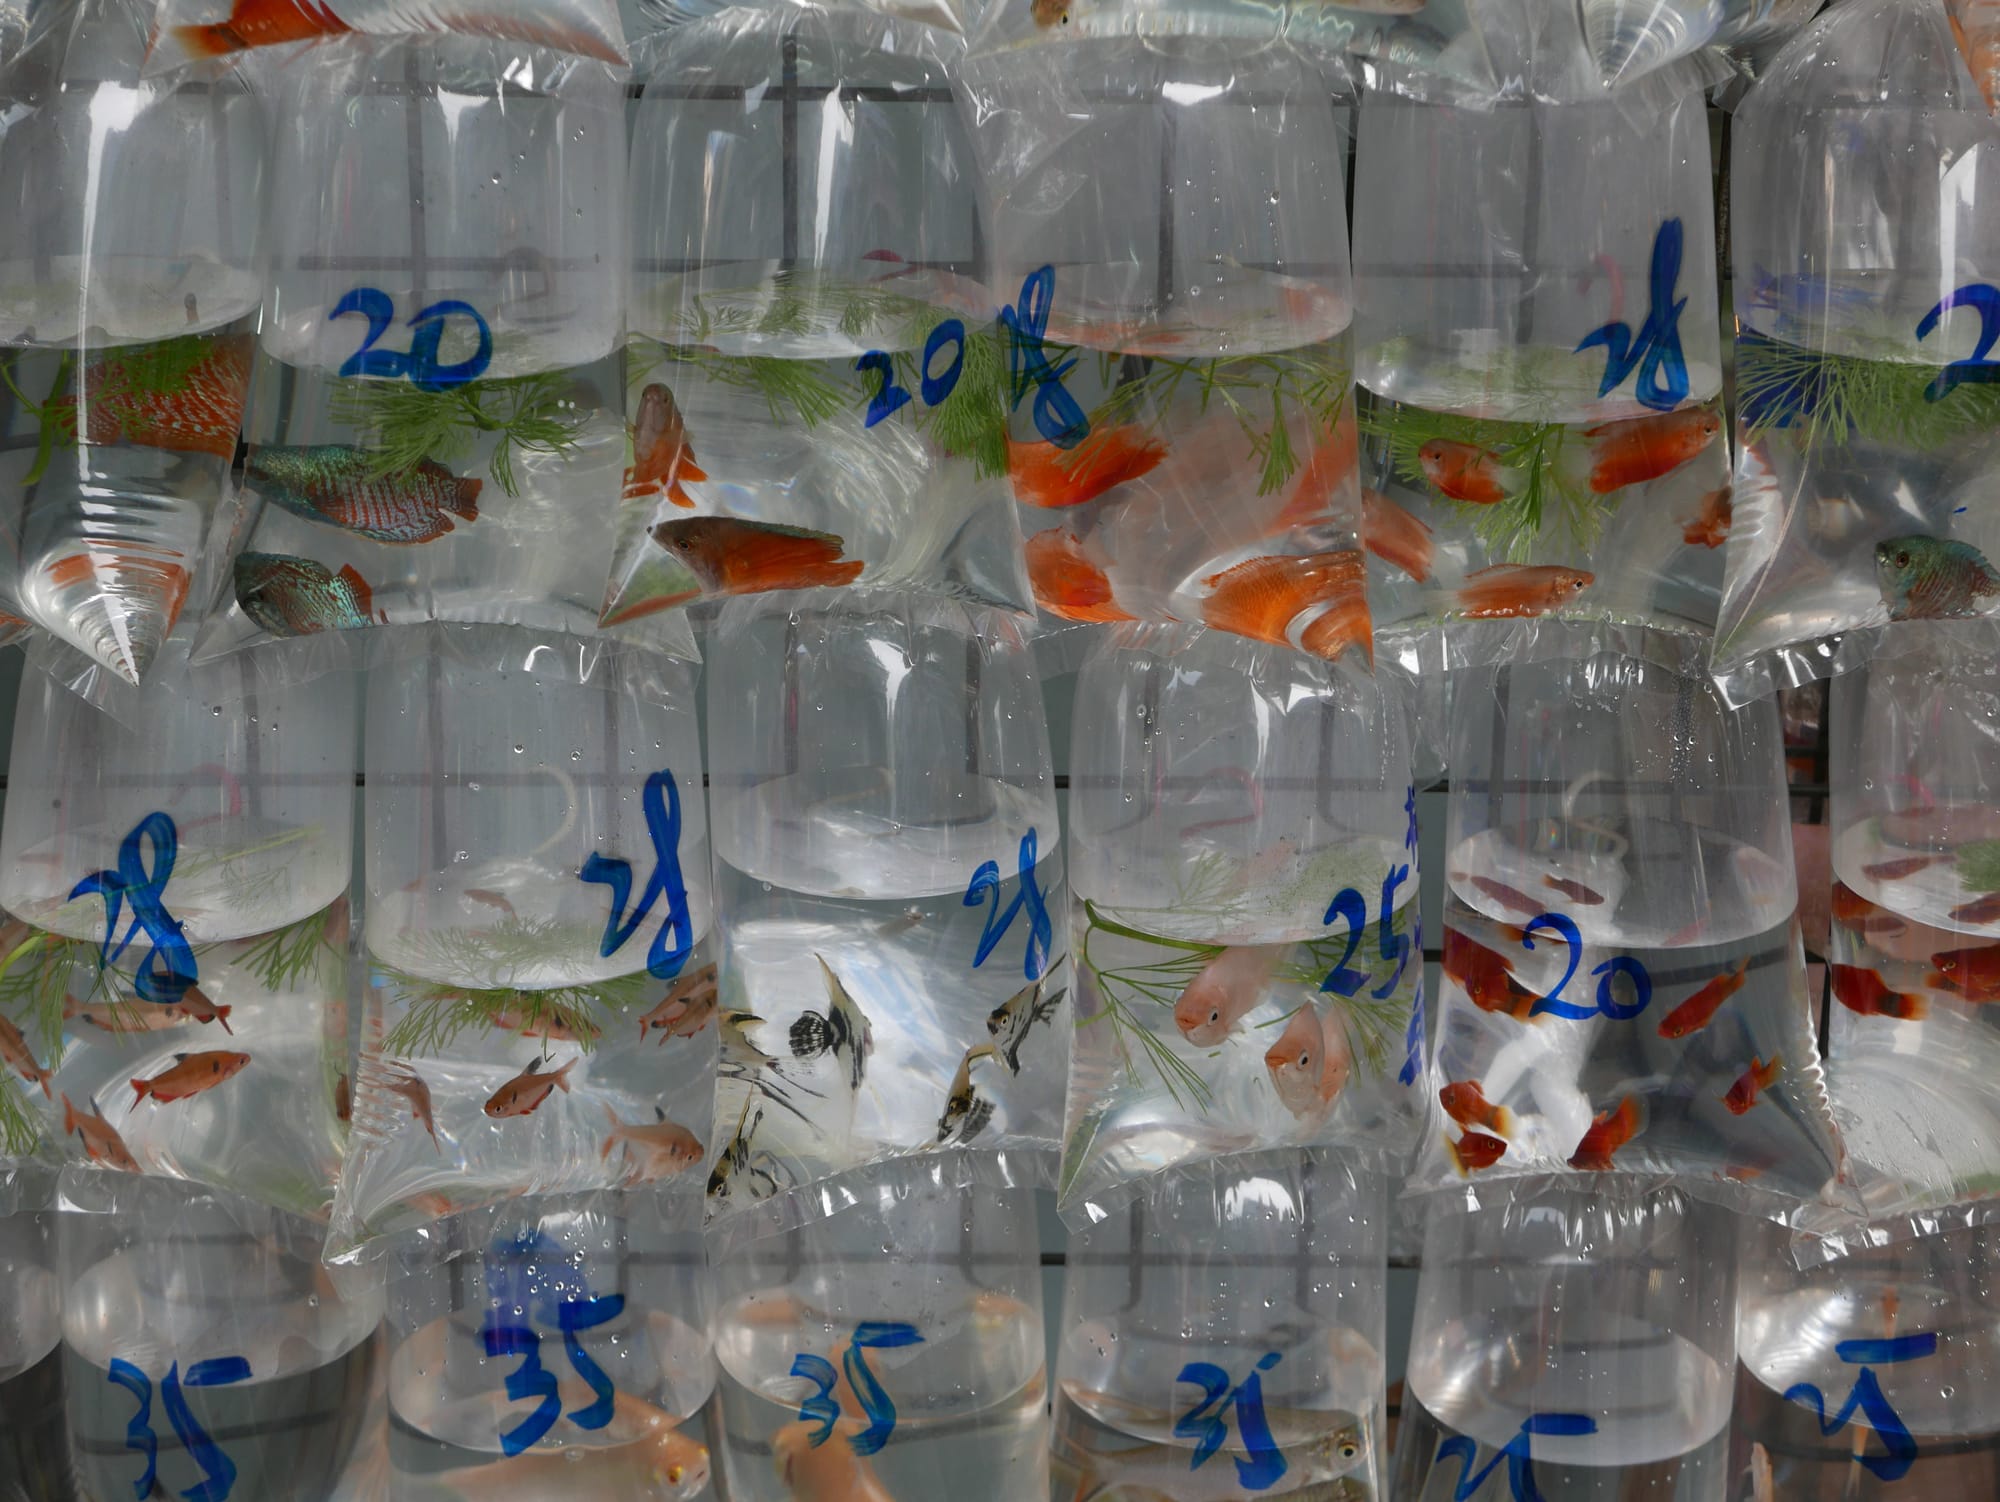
<point x="562" y="1075"/>
<point x="466" y="502"/>
<point x="140" y="1089"/>
<point x="180" y="1058"/>
<point x="217" y="39"/>
<point x="70" y="1118"/>
<point x="811" y="1036"/>
<point x="364" y="596"/>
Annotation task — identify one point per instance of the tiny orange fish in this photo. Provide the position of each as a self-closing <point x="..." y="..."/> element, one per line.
<point x="1576" y="891"/>
<point x="15" y="1052"/>
<point x="732" y="557"/>
<point x="1474" y="1151"/>
<point x="412" y="1088"/>
<point x="1261" y="597"/>
<point x="1512" y="898"/>
<point x="524" y="1093"/>
<point x="191" y="1074"/>
<point x="687" y="1007"/>
<point x="1608" y="1131"/>
<point x="1466" y="472"/>
<point x="1223" y="991"/>
<point x="1065" y="580"/>
<point x="1331" y="461"/>
<point x="1055" y="479"/>
<point x="343" y="1100"/>
<point x="1310" y="1062"/>
<point x="262" y="23"/>
<point x="1644" y="448"/>
<point x="662" y="461"/>
<point x="1709" y="526"/>
<point x="1896" y="870"/>
<point x="1743" y="1094"/>
<point x="500" y="902"/>
<point x="1466" y="1103"/>
<point x="1399" y="539"/>
<point x="194" y="1004"/>
<point x="1983" y="910"/>
<point x="101" y="1142"/>
<point x="1972" y="974"/>
<point x="1699" y="1009"/>
<point x="1511" y="589"/>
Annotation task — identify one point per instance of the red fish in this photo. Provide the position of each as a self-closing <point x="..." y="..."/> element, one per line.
<point x="1396" y="537"/>
<point x="1972" y="973"/>
<point x="1054" y="478"/>
<point x="1466" y="1103"/>
<point x="101" y="1142"/>
<point x="662" y="461"/>
<point x="686" y="1008"/>
<point x="1225" y="989"/>
<point x="201" y="414"/>
<point x="1474" y="1151"/>
<point x="1465" y="472"/>
<point x="1709" y="526"/>
<point x="1743" y="1094"/>
<point x="1896" y="870"/>
<point x="1261" y="597"/>
<point x="1066" y="581"/>
<point x="262" y="23"/>
<point x="339" y="484"/>
<point x="1608" y="1131"/>
<point x="1511" y="589"/>
<point x="343" y="1100"/>
<point x="1983" y="910"/>
<point x="1330" y="462"/>
<point x="1699" y="1010"/>
<point x="194" y="1004"/>
<point x="1486" y="977"/>
<point x="1853" y="911"/>
<point x="1865" y="993"/>
<point x="191" y="1074"/>
<point x="1576" y="891"/>
<point x="732" y="557"/>
<point x="1512" y="898"/>
<point x="14" y="1051"/>
<point x="525" y="1092"/>
<point x="1644" y="448"/>
<point x="1342" y="625"/>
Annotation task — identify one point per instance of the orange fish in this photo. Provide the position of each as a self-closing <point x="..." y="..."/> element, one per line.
<point x="123" y="573"/>
<point x="261" y="23"/>
<point x="1896" y="870"/>
<point x="1261" y="597"/>
<point x="412" y="1088"/>
<point x="687" y="1007"/>
<point x="1979" y="44"/>
<point x="15" y="1052"/>
<point x="500" y="902"/>
<point x="1466" y="1103"/>
<point x="1743" y="1094"/>
<point x="548" y="1028"/>
<point x="521" y="1095"/>
<point x="732" y="557"/>
<point x="1486" y="977"/>
<point x="1576" y="891"/>
<point x="1332" y="460"/>
<point x="1310" y="1062"/>
<point x="1865" y="992"/>
<point x="201" y="414"/>
<point x="829" y="1471"/>
<point x="1226" y="988"/>
<point x="1608" y="1131"/>
<point x="1644" y="448"/>
<point x="1474" y="1151"/>
<point x="1396" y="537"/>
<point x="101" y="1142"/>
<point x="1340" y="626"/>
<point x="1509" y="589"/>
<point x="662" y="462"/>
<point x="191" y="1074"/>
<point x="1853" y="911"/>
<point x="654" y="1152"/>
<point x="1983" y="910"/>
<point x="123" y="1017"/>
<point x="1512" y="898"/>
<point x="1699" y="1009"/>
<point x="1054" y="478"/>
<point x="1466" y="472"/>
<point x="1709" y="526"/>
<point x="1065" y="580"/>
<point x="194" y="1004"/>
<point x="1972" y="973"/>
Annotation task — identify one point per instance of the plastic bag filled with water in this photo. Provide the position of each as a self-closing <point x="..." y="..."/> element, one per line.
<point x="1170" y="261"/>
<point x="602" y="1301"/>
<point x="130" y="279"/>
<point x="894" y="932"/>
<point x="1868" y="416"/>
<point x="1222" y="1337"/>
<point x="437" y="427"/>
<point x="814" y="382"/>
<point x="893" y="1350"/>
<point x="1630" y="38"/>
<point x="1243" y="868"/>
<point x="541" y="1004"/>
<point x="1538" y="349"/>
<point x="34" y="1444"/>
<point x="188" y="31"/>
<point x="1623" y="983"/>
<point x="173" y="974"/>
<point x="1571" y="1343"/>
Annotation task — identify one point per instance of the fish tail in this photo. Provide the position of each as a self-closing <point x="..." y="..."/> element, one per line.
<point x="464" y="501"/>
<point x="678" y="493"/>
<point x="222" y="1016"/>
<point x="141" y="1088"/>
<point x="1770" y="1070"/>
<point x="364" y="595"/>
<point x="562" y="1075"/>
<point x="71" y="1121"/>
<point x="1504" y="1122"/>
<point x="216" y="39"/>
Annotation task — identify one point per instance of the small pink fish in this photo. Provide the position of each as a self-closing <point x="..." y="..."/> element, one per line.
<point x="418" y="1094"/>
<point x="1227" y="988"/>
<point x="687" y="1008"/>
<point x="15" y="1052"/>
<point x="656" y="1151"/>
<point x="101" y="1142"/>
<point x="496" y="900"/>
<point x="524" y="1094"/>
<point x="1310" y="1062"/>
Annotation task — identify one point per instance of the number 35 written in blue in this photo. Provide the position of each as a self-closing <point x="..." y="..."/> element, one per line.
<point x="218" y="1471"/>
<point x="420" y="365"/>
<point x="936" y="385"/>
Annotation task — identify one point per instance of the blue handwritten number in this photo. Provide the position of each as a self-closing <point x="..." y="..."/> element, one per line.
<point x="1413" y="1037"/>
<point x="420" y="365"/>
<point x="1388" y="943"/>
<point x="1642" y="988"/>
<point x="1058" y="418"/>
<point x="1656" y="351"/>
<point x="218" y="1470"/>
<point x="528" y="1380"/>
<point x="888" y="396"/>
<point x="588" y="1314"/>
<point x="1351" y="906"/>
<point x="1606" y="1003"/>
<point x="1041" y="932"/>
<point x="131" y="880"/>
<point x="1985" y="300"/>
<point x="1867" y="1398"/>
<point x="1204" y="1424"/>
<point x="139" y="1433"/>
<point x="822" y="1409"/>
<point x="661" y="801"/>
<point x="1517" y="1452"/>
<point x="937" y="388"/>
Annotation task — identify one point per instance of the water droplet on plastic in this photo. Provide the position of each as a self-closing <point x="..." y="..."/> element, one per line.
<point x="519" y="748"/>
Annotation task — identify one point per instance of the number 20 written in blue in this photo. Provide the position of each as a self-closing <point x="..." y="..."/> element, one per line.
<point x="890" y="397"/>
<point x="420" y="365"/>
<point x="1606" y="1004"/>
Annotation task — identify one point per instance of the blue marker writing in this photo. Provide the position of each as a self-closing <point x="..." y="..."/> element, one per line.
<point x="420" y="366"/>
<point x="1655" y="352"/>
<point x="1984" y="299"/>
<point x="1518" y="1452"/>
<point x="1867" y="1398"/>
<point x="218" y="1471"/>
<point x="1263" y="1463"/>
<point x="1058" y="418"/>
<point x="1029" y="899"/>
<point x="822" y="1409"/>
<point x="661" y="802"/>
<point x="131" y="881"/>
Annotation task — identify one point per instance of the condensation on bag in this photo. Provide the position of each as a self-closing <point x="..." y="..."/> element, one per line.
<point x="189" y="31"/>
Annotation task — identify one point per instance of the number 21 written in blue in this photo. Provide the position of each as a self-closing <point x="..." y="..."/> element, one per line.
<point x="217" y="1469"/>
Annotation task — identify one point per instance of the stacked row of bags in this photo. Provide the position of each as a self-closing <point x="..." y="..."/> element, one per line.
<point x="529" y="360"/>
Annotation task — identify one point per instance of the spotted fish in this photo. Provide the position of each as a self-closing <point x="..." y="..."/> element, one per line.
<point x="337" y="483"/>
<point x="296" y="597"/>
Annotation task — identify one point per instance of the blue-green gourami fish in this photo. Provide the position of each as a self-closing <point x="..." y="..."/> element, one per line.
<point x="296" y="597"/>
<point x="333" y="482"/>
<point x="1925" y="578"/>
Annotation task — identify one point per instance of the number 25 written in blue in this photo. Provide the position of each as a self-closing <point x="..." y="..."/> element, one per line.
<point x="420" y="365"/>
<point x="1351" y="907"/>
<point x="217" y="1469"/>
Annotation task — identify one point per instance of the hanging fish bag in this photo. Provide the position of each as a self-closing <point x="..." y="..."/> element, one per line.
<point x="1631" y="38"/>
<point x="1868" y="414"/>
<point x="188" y="31"/>
<point x="1243" y="852"/>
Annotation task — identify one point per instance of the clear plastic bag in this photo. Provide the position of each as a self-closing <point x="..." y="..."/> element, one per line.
<point x="130" y="243"/>
<point x="889" y="896"/>
<point x="1244" y="887"/>
<point x="437" y="429"/>
<point x="1170" y="254"/>
<point x="1868" y="421"/>
<point x="34" y="1451"/>
<point x="176" y="963"/>
<point x="1630" y="38"/>
<point x="814" y="381"/>
<point x="541" y="1010"/>
<point x="1571" y="1341"/>
<point x="188" y="31"/>
<point x="1539" y="352"/>
<point x="1623" y="983"/>
<point x="1222" y="1337"/>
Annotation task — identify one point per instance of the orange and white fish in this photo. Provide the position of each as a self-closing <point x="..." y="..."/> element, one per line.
<point x="411" y="1087"/>
<point x="686" y="1009"/>
<point x="1067" y="581"/>
<point x="1465" y="1102"/>
<point x="1709" y="526"/>
<point x="1310" y="1062"/>
<point x="1644" y="448"/>
<point x="1261" y="597"/>
<point x="826" y="1472"/>
<point x="1466" y="472"/>
<point x="1759" y="1076"/>
<point x="1474" y="1151"/>
<point x="733" y="557"/>
<point x="101" y="1142"/>
<point x="191" y="1074"/>
<point x="1700" y="1008"/>
<point x="1520" y="589"/>
<point x="662" y="461"/>
<point x="1395" y="536"/>
<point x="16" y="1053"/>
<point x="1223" y="992"/>
<point x="1608" y="1131"/>
<point x="656" y="1151"/>
<point x="525" y="1092"/>
<point x="1054" y="478"/>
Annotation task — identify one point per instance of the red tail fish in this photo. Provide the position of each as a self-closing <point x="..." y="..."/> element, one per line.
<point x="1865" y="992"/>
<point x="262" y="23"/>
<point x="1743" y="1094"/>
<point x="1474" y="1151"/>
<point x="1709" y="526"/>
<point x="1466" y="1103"/>
<point x="732" y="557"/>
<point x="101" y="1142"/>
<point x="1699" y="1009"/>
<point x="1608" y="1131"/>
<point x="191" y="1074"/>
<point x="1644" y="448"/>
<point x="1972" y="973"/>
<point x="521" y="1095"/>
<point x="1066" y="581"/>
<point x="662" y="461"/>
<point x="1261" y="597"/>
<point x="338" y="484"/>
<point x="1465" y="472"/>
<point x="1520" y="589"/>
<point x="1055" y="478"/>
<point x="1396" y="537"/>
<point x="1486" y="977"/>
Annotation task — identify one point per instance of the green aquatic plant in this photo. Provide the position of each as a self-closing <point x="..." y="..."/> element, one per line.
<point x="1979" y="865"/>
<point x="54" y="414"/>
<point x="403" y="424"/>
<point x="34" y="990"/>
<point x="1819" y="397"/>
<point x="438" y="1012"/>
<point x="1123" y="989"/>
<point x="284" y="957"/>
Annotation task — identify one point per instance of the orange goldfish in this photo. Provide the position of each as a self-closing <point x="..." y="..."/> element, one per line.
<point x="655" y="1151"/>
<point x="664" y="1464"/>
<point x="1330" y="462"/>
<point x="1261" y="597"/>
<point x="1066" y="581"/>
<point x="1896" y="870"/>
<point x="1466" y="1103"/>
<point x="731" y="557"/>
<point x="1709" y="526"/>
<point x="1971" y="973"/>
<point x="1699" y="1009"/>
<point x="1865" y="992"/>
<point x="1054" y="478"/>
<point x="1310" y="1062"/>
<point x="1982" y="910"/>
<point x="525" y="1092"/>
<point x="1975" y="28"/>
<point x="191" y="1074"/>
<point x="1608" y="1131"/>
<point x="662" y="461"/>
<point x="1508" y="589"/>
<point x="1396" y="537"/>
<point x="1224" y="991"/>
<point x="412" y="1088"/>
<point x="1486" y="977"/>
<point x="15" y="1052"/>
<point x="1343" y="624"/>
<point x="826" y="1472"/>
<point x="687" y="1007"/>
<point x="1049" y="12"/>
<point x="262" y="23"/>
<point x="101" y="1142"/>
<point x="1466" y="472"/>
<point x="1644" y="448"/>
<point x="1474" y="1151"/>
<point x="1743" y="1094"/>
<point x="1576" y="891"/>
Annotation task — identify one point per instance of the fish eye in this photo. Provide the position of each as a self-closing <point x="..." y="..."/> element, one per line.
<point x="1215" y="1014"/>
<point x="1349" y="1449"/>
